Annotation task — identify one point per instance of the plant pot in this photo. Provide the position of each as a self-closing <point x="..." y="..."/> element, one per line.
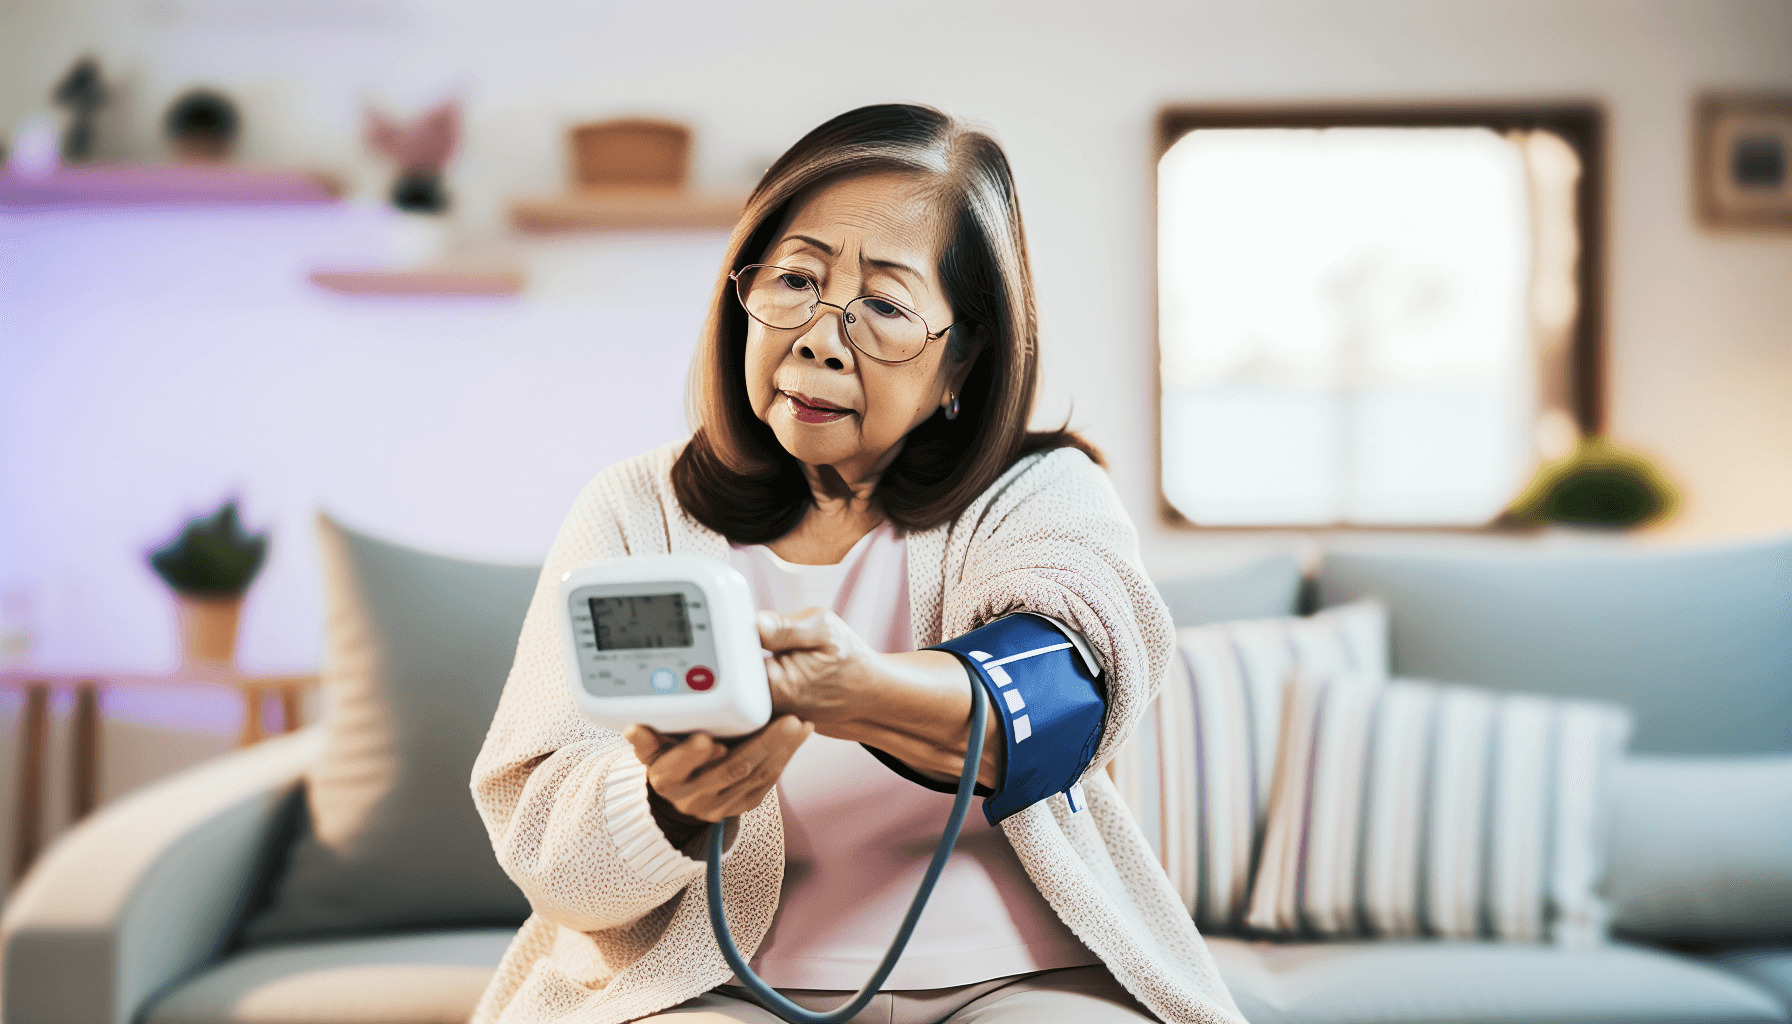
<point x="415" y="240"/>
<point x="208" y="628"/>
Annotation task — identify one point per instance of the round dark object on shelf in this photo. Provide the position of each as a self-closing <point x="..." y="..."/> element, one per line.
<point x="203" y="113"/>
<point x="203" y="125"/>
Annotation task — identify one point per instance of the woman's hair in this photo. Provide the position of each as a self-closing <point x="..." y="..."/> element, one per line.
<point x="735" y="478"/>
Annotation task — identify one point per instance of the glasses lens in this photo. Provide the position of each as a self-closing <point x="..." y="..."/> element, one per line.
<point x="777" y="297"/>
<point x="883" y="330"/>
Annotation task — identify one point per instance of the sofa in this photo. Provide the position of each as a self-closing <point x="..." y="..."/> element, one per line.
<point x="156" y="908"/>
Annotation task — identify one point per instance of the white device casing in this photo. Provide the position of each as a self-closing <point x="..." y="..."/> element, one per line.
<point x="604" y="684"/>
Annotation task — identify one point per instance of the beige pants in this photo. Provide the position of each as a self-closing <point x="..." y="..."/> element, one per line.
<point x="1083" y="995"/>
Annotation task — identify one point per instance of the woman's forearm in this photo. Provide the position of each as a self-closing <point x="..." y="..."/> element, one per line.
<point x="917" y="708"/>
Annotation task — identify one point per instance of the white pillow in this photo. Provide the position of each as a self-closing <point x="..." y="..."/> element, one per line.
<point x="1198" y="772"/>
<point x="1409" y="808"/>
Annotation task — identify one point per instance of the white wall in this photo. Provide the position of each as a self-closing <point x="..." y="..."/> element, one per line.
<point x="1700" y="367"/>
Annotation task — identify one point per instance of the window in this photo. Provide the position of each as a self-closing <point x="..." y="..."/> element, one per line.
<point x="1372" y="318"/>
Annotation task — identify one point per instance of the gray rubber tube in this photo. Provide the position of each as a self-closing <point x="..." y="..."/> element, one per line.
<point x="770" y="997"/>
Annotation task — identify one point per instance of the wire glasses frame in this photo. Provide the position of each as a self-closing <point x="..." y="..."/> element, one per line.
<point x="774" y="302"/>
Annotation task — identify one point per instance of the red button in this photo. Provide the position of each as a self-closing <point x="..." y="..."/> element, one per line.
<point x="700" y="678"/>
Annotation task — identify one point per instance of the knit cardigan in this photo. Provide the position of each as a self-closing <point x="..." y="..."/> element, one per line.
<point x="619" y="927"/>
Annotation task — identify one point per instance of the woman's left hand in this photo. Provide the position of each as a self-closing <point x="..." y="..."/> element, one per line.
<point x="820" y="670"/>
<point x="914" y="706"/>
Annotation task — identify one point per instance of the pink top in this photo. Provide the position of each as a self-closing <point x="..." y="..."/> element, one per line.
<point x="857" y="837"/>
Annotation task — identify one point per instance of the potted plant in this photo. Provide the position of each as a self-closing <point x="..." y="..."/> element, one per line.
<point x="420" y="149"/>
<point x="1599" y="486"/>
<point x="209" y="566"/>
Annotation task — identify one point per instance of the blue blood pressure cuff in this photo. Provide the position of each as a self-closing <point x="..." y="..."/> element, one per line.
<point x="1041" y="684"/>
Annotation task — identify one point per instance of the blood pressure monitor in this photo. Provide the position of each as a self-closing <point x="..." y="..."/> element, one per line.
<point x="671" y="641"/>
<point x="666" y="640"/>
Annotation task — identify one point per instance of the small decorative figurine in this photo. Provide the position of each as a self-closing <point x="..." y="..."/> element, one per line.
<point x="420" y="148"/>
<point x="83" y="91"/>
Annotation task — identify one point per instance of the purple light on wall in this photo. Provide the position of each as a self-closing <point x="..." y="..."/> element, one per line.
<point x="154" y="360"/>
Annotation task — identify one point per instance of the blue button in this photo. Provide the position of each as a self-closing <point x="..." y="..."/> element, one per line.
<point x="663" y="680"/>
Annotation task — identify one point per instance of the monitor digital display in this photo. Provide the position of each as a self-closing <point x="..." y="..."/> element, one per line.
<point x="640" y="622"/>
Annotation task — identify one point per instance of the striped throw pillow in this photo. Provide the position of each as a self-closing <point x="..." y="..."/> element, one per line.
<point x="1410" y="808"/>
<point x="1198" y="771"/>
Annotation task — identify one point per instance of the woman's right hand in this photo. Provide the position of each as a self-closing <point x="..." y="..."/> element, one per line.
<point x="700" y="780"/>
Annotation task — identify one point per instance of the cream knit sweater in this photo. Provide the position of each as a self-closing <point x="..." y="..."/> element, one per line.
<point x="619" y="928"/>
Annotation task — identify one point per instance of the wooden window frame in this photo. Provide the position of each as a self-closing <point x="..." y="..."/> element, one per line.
<point x="1580" y="124"/>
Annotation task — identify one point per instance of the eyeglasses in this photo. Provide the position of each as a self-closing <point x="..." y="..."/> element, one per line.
<point x="785" y="299"/>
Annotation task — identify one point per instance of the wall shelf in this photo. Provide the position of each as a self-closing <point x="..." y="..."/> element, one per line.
<point x="622" y="208"/>
<point x="173" y="184"/>
<point x="437" y="281"/>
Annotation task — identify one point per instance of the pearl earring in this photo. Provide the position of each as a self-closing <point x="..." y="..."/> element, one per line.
<point x="951" y="406"/>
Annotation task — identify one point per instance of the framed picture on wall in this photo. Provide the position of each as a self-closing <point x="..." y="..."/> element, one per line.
<point x="1740" y="160"/>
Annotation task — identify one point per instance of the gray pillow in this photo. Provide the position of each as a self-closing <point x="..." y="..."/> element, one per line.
<point x="1264" y="588"/>
<point x="418" y="650"/>
<point x="1701" y="849"/>
<point x="1696" y="643"/>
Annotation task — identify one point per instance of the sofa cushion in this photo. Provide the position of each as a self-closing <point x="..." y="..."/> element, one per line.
<point x="418" y="650"/>
<point x="1197" y="772"/>
<point x="1697" y="643"/>
<point x="1701" y="849"/>
<point x="1262" y="588"/>
<point x="1411" y="809"/>
<point x="1472" y="982"/>
<point x="423" y="978"/>
<point x="1768" y="966"/>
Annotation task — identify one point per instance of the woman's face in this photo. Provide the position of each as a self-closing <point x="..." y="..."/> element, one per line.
<point x="829" y="403"/>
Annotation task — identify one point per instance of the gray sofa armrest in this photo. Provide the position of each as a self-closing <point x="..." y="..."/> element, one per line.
<point x="146" y="890"/>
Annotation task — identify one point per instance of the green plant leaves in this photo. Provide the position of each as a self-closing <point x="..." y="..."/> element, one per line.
<point x="212" y="556"/>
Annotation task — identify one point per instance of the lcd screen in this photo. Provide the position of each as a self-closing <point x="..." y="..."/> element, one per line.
<point x="642" y="621"/>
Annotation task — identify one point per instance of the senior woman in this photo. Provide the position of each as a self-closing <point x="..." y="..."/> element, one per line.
<point x="860" y="394"/>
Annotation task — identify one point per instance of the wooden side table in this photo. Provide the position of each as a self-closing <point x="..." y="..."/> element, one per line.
<point x="84" y="760"/>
